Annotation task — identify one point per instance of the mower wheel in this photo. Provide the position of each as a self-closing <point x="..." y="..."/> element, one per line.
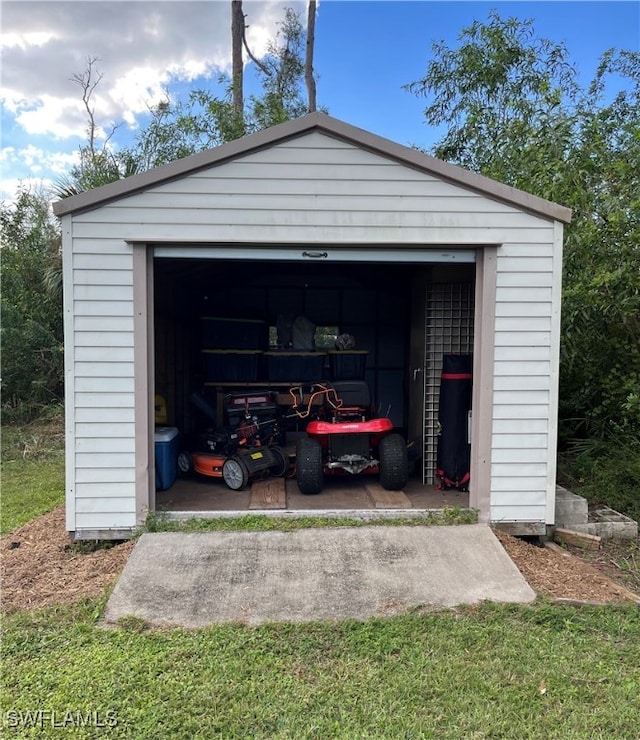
<point x="309" y="466"/>
<point x="185" y="463"/>
<point x="394" y="467"/>
<point x="280" y="466"/>
<point x="235" y="473"/>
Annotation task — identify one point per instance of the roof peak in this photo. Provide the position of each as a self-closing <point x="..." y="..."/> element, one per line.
<point x="322" y="122"/>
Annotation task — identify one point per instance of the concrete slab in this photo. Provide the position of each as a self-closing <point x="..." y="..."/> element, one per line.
<point x="196" y="579"/>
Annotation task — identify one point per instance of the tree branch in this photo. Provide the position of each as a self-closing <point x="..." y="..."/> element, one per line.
<point x="248" y="50"/>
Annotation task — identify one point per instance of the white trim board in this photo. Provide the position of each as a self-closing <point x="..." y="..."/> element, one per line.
<point x="319" y="254"/>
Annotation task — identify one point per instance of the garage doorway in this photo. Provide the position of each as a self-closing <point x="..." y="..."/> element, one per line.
<point x="373" y="301"/>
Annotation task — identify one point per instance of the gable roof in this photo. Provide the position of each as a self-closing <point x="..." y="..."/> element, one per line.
<point x="322" y="123"/>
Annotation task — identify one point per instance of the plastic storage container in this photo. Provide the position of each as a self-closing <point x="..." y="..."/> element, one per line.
<point x="166" y="454"/>
<point x="348" y="364"/>
<point x="228" y="365"/>
<point x="224" y="333"/>
<point x="295" y="366"/>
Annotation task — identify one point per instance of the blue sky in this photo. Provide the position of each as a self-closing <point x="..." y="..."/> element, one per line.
<point x="365" y="52"/>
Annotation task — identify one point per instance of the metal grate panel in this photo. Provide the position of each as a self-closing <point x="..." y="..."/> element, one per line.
<point x="449" y="328"/>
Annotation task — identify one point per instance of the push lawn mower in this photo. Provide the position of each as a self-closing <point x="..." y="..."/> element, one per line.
<point x="238" y="452"/>
<point x="346" y="440"/>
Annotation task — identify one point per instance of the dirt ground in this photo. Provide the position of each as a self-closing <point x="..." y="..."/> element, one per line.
<point x="41" y="567"/>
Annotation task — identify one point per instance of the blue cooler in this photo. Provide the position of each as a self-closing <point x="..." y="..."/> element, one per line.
<point x="166" y="444"/>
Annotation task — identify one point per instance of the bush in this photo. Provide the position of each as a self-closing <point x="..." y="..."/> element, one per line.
<point x="32" y="337"/>
<point x="605" y="472"/>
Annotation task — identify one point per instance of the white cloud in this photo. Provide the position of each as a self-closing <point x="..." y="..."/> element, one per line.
<point x="24" y="40"/>
<point x="60" y="118"/>
<point x="39" y="168"/>
<point x="37" y="159"/>
<point x="139" y="47"/>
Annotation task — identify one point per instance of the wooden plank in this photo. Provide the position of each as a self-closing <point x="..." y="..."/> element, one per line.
<point x="268" y="494"/>
<point x="579" y="539"/>
<point x="383" y="499"/>
<point x="521" y="529"/>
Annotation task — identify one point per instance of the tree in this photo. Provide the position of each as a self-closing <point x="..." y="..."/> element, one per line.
<point x="282" y="75"/>
<point x="206" y="120"/>
<point x="178" y="129"/>
<point x="32" y="342"/>
<point x="515" y="112"/>
<point x="502" y="94"/>
<point x="237" y="67"/>
<point x="601" y="327"/>
<point x="310" y="80"/>
<point x="98" y="164"/>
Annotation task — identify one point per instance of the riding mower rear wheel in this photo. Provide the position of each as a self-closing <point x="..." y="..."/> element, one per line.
<point x="394" y="467"/>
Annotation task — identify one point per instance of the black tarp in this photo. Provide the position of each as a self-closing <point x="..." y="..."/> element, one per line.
<point x="454" y="450"/>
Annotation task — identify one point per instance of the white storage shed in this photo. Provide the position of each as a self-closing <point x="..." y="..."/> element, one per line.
<point x="413" y="256"/>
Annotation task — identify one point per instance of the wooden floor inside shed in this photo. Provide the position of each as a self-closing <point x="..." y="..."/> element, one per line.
<point x="356" y="493"/>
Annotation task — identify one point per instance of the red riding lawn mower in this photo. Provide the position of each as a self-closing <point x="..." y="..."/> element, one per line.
<point x="343" y="438"/>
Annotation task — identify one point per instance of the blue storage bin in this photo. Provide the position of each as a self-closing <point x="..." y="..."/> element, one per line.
<point x="166" y="454"/>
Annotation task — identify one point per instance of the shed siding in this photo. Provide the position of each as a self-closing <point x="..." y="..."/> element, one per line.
<point x="102" y="353"/>
<point x="310" y="190"/>
<point x="522" y="380"/>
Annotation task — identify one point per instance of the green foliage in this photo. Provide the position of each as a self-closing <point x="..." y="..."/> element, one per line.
<point x="32" y="341"/>
<point x="485" y="671"/>
<point x="501" y="93"/>
<point x="514" y="112"/>
<point x="282" y="77"/>
<point x="178" y="129"/>
<point x="94" y="169"/>
<point x="601" y="349"/>
<point x="605" y="472"/>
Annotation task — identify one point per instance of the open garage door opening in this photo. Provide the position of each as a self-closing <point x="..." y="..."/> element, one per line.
<point x="225" y="327"/>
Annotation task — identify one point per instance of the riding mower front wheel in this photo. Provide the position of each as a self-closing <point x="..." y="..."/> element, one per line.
<point x="309" y="466"/>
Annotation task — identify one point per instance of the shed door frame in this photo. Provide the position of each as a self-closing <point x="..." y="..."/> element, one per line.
<point x="483" y="345"/>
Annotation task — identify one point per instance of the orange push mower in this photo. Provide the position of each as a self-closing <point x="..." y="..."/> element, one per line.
<point x="346" y="440"/>
<point x="237" y="453"/>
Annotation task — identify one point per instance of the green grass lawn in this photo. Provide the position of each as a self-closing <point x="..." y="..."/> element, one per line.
<point x="32" y="472"/>
<point x="540" y="671"/>
<point x="20" y="502"/>
<point x="486" y="672"/>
